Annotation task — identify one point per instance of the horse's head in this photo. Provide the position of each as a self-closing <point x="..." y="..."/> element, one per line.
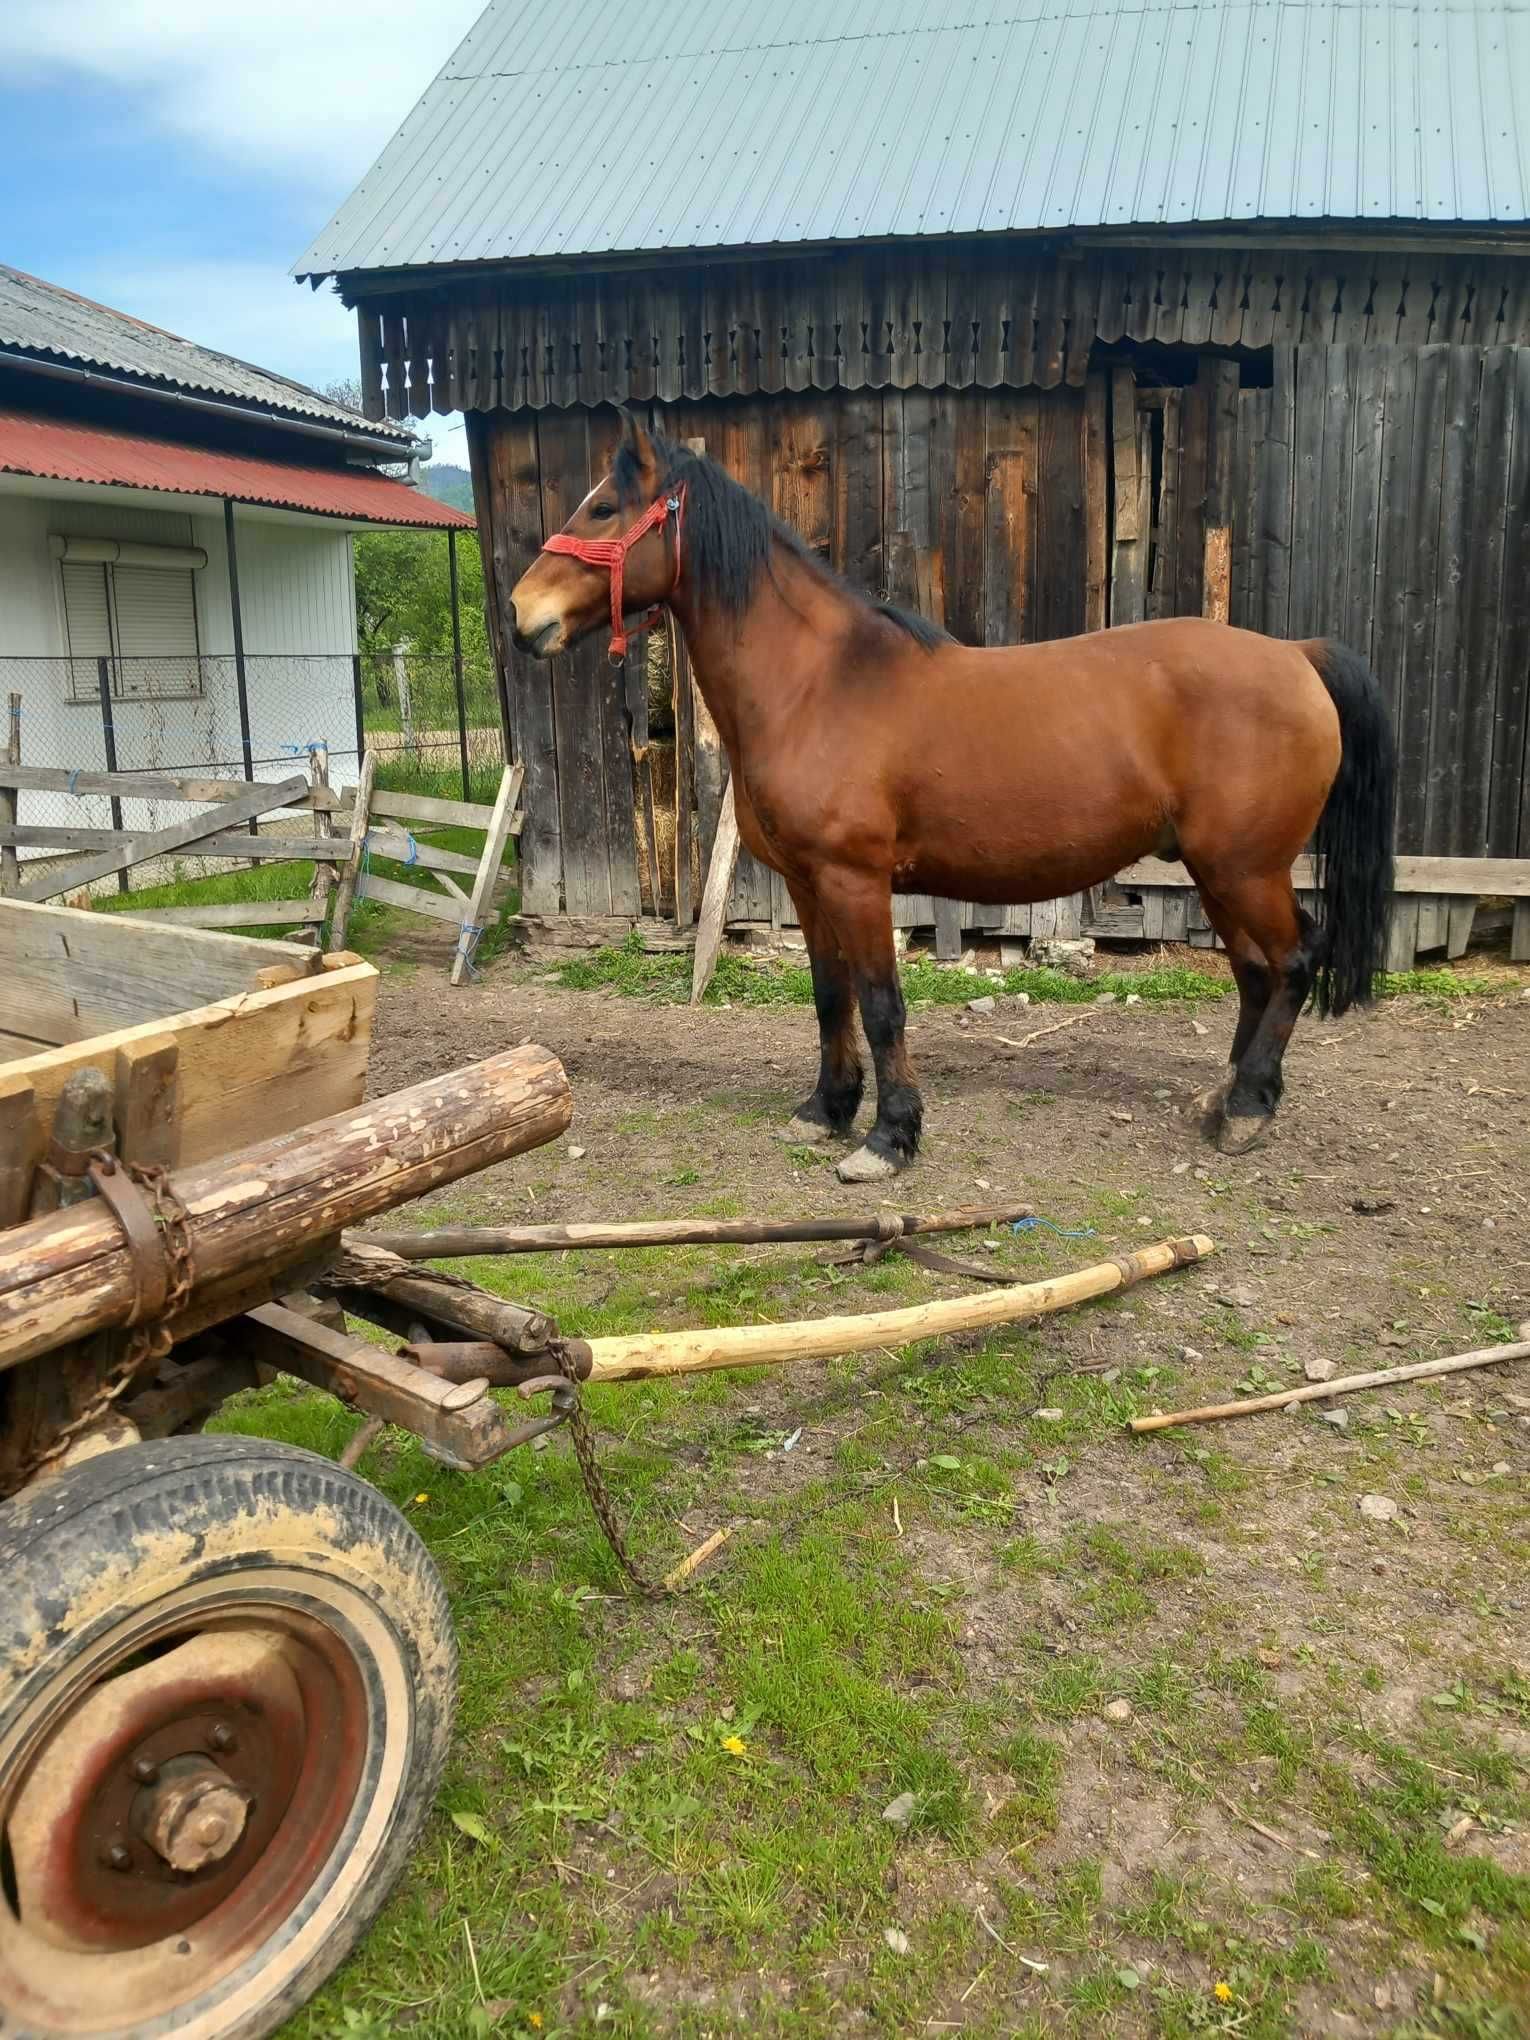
<point x="619" y="552"/>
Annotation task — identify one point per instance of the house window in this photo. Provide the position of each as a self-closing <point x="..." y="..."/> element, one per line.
<point x="134" y="606"/>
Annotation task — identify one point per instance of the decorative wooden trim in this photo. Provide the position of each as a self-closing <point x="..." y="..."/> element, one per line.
<point x="928" y="317"/>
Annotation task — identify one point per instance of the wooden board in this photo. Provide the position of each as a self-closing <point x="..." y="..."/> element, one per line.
<point x="257" y="800"/>
<point x="1482" y="877"/>
<point x="234" y="914"/>
<point x="66" y="975"/>
<point x="248" y="1067"/>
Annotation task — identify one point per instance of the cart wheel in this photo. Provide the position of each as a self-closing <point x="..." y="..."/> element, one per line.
<point x="227" y="1677"/>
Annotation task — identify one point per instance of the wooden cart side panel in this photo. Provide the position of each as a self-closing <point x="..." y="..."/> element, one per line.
<point x="66" y="976"/>
<point x="249" y="1067"/>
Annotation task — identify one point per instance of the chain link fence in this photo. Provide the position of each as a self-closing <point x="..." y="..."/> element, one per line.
<point x="435" y="726"/>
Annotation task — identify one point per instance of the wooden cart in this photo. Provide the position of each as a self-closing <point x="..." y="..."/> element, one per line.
<point x="226" y="1666"/>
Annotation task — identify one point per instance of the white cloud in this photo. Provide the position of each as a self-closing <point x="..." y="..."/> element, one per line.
<point x="289" y="86"/>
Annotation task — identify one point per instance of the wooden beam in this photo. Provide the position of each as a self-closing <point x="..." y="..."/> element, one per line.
<point x="148" y="1101"/>
<point x="160" y="842"/>
<point x="127" y="785"/>
<point x="258" y="1208"/>
<point x="345" y="892"/>
<point x="414" y="899"/>
<point x="22" y="1140"/>
<point x="10" y="876"/>
<point x="714" y="899"/>
<point x="472" y="918"/>
<point x="262" y="1062"/>
<point x="416" y="807"/>
<point x="461" y="1422"/>
<point x="233" y="914"/>
<point x="67" y="975"/>
<point x="1481" y="877"/>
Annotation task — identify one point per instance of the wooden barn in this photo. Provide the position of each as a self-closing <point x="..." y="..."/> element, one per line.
<point x="1040" y="317"/>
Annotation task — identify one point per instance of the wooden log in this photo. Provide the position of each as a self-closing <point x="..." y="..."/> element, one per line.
<point x="383" y="1287"/>
<point x="441" y="1243"/>
<point x="345" y="891"/>
<point x="254" y="1211"/>
<point x="159" y="842"/>
<point x="714" y="898"/>
<point x="457" y="1419"/>
<point x="1344" y="1384"/>
<point x="644" y="1354"/>
<point x="10" y="876"/>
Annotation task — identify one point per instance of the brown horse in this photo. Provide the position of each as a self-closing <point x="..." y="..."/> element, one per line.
<point x="871" y="753"/>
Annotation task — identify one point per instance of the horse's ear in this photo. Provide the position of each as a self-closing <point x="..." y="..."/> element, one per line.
<point x="636" y="439"/>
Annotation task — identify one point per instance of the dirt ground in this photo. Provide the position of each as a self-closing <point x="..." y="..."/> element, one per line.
<point x="1329" y="1709"/>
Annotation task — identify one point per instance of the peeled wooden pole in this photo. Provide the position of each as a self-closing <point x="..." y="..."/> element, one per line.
<point x="1344" y="1384"/>
<point x="644" y="1354"/>
<point x="443" y="1243"/>
<point x="257" y="1211"/>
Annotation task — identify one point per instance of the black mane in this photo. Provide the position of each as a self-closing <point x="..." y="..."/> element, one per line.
<point x="729" y="533"/>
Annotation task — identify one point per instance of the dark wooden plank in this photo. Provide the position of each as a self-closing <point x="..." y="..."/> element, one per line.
<point x="931" y="349"/>
<point x="1509" y="797"/>
<point x="1246" y="605"/>
<point x="1096" y="492"/>
<point x="1009" y="529"/>
<point x="369" y="336"/>
<point x="1415" y="685"/>
<point x="1451" y="677"/>
<point x="1219" y="380"/>
<point x="1051" y="324"/>
<point x="1061" y="549"/>
<point x="1389" y="610"/>
<point x="855" y="481"/>
<point x="1165" y="564"/>
<point x="960" y="500"/>
<point x="1487" y="561"/>
<point x="1194" y="452"/>
<point x="1357" y="620"/>
<point x="502" y="446"/>
<point x="1277" y="481"/>
<point x="579" y="680"/>
<point x="617" y="733"/>
<point x="1329" y="514"/>
<point x="1310" y="527"/>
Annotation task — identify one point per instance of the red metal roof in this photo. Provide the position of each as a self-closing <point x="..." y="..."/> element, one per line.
<point x="64" y="452"/>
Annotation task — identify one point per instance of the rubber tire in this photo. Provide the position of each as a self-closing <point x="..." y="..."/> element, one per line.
<point x="227" y="1505"/>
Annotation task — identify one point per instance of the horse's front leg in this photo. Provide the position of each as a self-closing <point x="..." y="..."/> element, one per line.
<point x="830" y="1112"/>
<point x="858" y="909"/>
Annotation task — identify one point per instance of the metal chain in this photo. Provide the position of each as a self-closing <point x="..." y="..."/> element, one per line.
<point x="145" y="1342"/>
<point x="595" y="1488"/>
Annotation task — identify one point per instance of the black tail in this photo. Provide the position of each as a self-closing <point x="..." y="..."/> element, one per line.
<point x="1354" y="835"/>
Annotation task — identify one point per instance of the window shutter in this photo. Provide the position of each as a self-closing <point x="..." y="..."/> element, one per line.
<point x="156" y="631"/>
<point x="85" y="611"/>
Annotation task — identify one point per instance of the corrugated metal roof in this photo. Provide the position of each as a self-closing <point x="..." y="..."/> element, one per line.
<point x="56" y="451"/>
<point x="572" y="127"/>
<point x="45" y="319"/>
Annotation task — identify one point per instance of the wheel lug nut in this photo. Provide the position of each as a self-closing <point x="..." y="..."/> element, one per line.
<point x="221" y="1737"/>
<point x="145" y="1771"/>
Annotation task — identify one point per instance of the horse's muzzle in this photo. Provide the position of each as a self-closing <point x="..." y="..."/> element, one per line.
<point x="542" y="641"/>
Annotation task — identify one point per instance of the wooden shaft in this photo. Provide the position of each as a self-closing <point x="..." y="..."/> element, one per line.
<point x="1345" y="1384"/>
<point x="361" y="815"/>
<point x="387" y="1290"/>
<point x="254" y="1212"/>
<point x="442" y="1243"/>
<point x="644" y="1354"/>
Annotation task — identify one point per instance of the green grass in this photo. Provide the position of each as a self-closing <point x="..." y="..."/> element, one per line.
<point x="630" y="970"/>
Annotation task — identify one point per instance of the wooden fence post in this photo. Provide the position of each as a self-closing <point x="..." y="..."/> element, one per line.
<point x="10" y="874"/>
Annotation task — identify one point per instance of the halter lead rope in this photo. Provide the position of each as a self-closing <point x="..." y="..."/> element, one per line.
<point x="611" y="553"/>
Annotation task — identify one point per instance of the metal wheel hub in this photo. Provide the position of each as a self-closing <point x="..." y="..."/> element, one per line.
<point x="167" y="1787"/>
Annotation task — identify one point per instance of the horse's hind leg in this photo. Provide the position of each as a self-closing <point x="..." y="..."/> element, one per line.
<point x="830" y="1111"/>
<point x="1252" y="978"/>
<point x="858" y="908"/>
<point x="1264" y="911"/>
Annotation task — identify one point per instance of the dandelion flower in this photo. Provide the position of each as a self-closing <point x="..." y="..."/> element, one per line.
<point x="735" y="1746"/>
<point x="1223" y="1994"/>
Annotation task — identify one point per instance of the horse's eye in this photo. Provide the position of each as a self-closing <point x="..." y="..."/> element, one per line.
<point x="602" y="509"/>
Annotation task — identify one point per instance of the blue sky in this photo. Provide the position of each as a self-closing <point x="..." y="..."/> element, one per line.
<point x="174" y="157"/>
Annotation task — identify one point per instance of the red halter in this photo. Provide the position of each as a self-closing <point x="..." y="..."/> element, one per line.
<point x="612" y="554"/>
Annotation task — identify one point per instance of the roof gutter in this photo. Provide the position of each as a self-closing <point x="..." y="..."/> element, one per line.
<point x="409" y="449"/>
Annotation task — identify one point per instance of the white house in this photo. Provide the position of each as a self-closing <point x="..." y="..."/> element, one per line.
<point x="176" y="581"/>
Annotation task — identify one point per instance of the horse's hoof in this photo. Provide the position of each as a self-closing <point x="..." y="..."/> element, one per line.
<point x="866" y="1165"/>
<point x="1241" y="1131"/>
<point x="1208" y="1104"/>
<point x="801" y="1132"/>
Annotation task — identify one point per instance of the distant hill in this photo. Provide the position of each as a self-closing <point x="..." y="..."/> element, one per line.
<point x="448" y="484"/>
